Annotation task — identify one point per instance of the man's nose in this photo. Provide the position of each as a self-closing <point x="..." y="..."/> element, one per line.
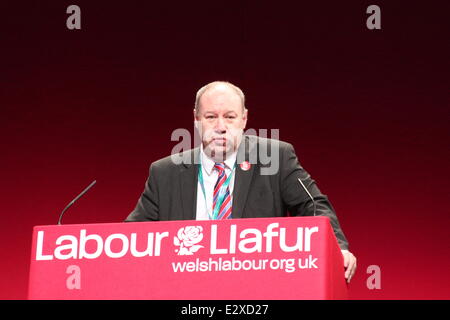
<point x="220" y="125"/>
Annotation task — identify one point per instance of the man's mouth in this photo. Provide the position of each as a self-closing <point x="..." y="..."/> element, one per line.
<point x="219" y="141"/>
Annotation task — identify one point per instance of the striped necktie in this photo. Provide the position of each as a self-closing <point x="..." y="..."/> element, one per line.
<point x="222" y="192"/>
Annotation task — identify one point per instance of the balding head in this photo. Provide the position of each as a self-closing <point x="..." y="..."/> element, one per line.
<point x="218" y="88"/>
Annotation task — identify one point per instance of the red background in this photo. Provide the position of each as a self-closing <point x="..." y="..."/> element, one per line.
<point x="367" y="111"/>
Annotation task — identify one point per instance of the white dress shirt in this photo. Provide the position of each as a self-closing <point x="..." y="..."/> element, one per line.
<point x="210" y="175"/>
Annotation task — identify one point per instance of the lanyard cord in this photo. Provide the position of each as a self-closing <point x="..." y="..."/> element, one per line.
<point x="220" y="199"/>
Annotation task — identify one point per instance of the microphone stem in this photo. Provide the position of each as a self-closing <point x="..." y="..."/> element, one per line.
<point x="73" y="201"/>
<point x="309" y="195"/>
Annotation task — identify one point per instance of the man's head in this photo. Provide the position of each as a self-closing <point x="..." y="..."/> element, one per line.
<point x="220" y="116"/>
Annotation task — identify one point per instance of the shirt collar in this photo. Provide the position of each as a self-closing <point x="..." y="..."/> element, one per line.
<point x="208" y="163"/>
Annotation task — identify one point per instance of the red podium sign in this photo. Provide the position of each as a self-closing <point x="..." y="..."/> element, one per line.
<point x="248" y="259"/>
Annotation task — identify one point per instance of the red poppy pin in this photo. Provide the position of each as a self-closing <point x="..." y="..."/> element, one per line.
<point x="245" y="165"/>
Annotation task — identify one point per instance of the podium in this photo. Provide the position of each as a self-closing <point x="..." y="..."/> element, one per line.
<point x="238" y="259"/>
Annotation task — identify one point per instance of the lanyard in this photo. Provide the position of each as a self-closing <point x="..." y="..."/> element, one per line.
<point x="220" y="198"/>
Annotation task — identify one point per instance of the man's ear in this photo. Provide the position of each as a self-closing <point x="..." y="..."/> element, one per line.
<point x="196" y="120"/>
<point x="245" y="117"/>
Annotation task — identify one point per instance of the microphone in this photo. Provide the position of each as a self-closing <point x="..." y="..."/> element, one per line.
<point x="73" y="201"/>
<point x="310" y="196"/>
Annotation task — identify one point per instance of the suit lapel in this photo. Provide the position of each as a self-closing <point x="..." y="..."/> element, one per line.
<point x="188" y="185"/>
<point x="243" y="179"/>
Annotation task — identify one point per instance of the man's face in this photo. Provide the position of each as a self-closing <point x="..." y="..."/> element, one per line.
<point x="221" y="121"/>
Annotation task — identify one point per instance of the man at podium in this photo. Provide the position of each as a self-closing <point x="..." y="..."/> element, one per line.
<point x="232" y="175"/>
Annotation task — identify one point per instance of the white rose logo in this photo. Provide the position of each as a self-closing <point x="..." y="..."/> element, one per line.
<point x="187" y="239"/>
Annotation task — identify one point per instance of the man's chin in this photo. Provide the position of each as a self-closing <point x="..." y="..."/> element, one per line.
<point x="218" y="153"/>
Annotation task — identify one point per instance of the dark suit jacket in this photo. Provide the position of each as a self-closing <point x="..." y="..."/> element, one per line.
<point x="171" y="189"/>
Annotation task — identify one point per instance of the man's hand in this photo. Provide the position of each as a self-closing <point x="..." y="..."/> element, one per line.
<point x="349" y="264"/>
